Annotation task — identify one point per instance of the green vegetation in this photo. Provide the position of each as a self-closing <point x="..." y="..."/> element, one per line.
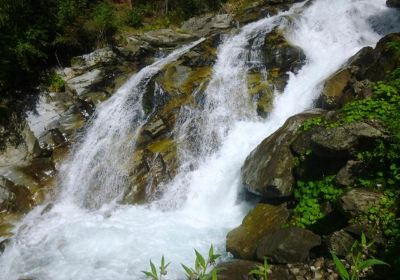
<point x="56" y="83"/>
<point x="37" y="34"/>
<point x="154" y="274"/>
<point x="204" y="269"/>
<point x="310" y="196"/>
<point x="261" y="271"/>
<point x="381" y="165"/>
<point x="358" y="262"/>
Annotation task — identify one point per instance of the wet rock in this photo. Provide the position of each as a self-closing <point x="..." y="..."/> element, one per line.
<point x="268" y="170"/>
<point x="207" y="24"/>
<point x="355" y="79"/>
<point x="261" y="91"/>
<point x="346" y="140"/>
<point x="358" y="201"/>
<point x="3" y="245"/>
<point x="281" y="57"/>
<point x="13" y="198"/>
<point x="22" y="150"/>
<point x="253" y="10"/>
<point x="287" y="245"/>
<point x="7" y="198"/>
<point x="333" y="89"/>
<point x="58" y="156"/>
<point x="393" y="3"/>
<point x="242" y="242"/>
<point x="51" y="139"/>
<point x="166" y="38"/>
<point x="153" y="165"/>
<point x="340" y="242"/>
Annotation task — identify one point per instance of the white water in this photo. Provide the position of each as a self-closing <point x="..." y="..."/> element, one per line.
<point x="116" y="242"/>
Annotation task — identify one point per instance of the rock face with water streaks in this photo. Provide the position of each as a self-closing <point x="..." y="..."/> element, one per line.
<point x="309" y="148"/>
<point x="181" y="83"/>
<point x="268" y="170"/>
<point x="281" y="57"/>
<point x="355" y="79"/>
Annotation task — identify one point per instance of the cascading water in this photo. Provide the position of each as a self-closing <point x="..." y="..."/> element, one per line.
<point x="116" y="241"/>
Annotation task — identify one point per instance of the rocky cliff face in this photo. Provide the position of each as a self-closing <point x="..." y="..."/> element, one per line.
<point x="311" y="147"/>
<point x="31" y="158"/>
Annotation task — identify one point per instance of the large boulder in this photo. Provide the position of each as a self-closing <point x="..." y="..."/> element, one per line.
<point x="355" y="79"/>
<point x="287" y="245"/>
<point x="344" y="141"/>
<point x="268" y="170"/>
<point x="334" y="87"/>
<point x="358" y="201"/>
<point x="264" y="218"/>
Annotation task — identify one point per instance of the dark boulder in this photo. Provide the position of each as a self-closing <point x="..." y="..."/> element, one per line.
<point x="287" y="245"/>
<point x="345" y="140"/>
<point x="268" y="170"/>
<point x="358" y="201"/>
<point x="242" y="241"/>
<point x="393" y="3"/>
<point x="281" y="57"/>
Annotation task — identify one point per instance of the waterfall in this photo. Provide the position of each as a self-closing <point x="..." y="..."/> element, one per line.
<point x="97" y="172"/>
<point x="111" y="241"/>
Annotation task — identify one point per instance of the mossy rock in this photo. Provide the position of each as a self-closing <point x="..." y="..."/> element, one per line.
<point x="242" y="241"/>
<point x="261" y="92"/>
<point x="153" y="165"/>
<point x="280" y="57"/>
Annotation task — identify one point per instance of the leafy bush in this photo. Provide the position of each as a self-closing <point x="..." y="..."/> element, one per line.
<point x="135" y="18"/>
<point x="103" y="22"/>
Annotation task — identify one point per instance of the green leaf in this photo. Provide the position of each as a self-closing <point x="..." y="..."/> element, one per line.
<point x="363" y="240"/>
<point x="211" y="252"/>
<point x="153" y="268"/>
<point x="200" y="259"/>
<point x="370" y="263"/>
<point x="150" y="275"/>
<point x="214" y="275"/>
<point x="189" y="271"/>
<point x="340" y="267"/>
